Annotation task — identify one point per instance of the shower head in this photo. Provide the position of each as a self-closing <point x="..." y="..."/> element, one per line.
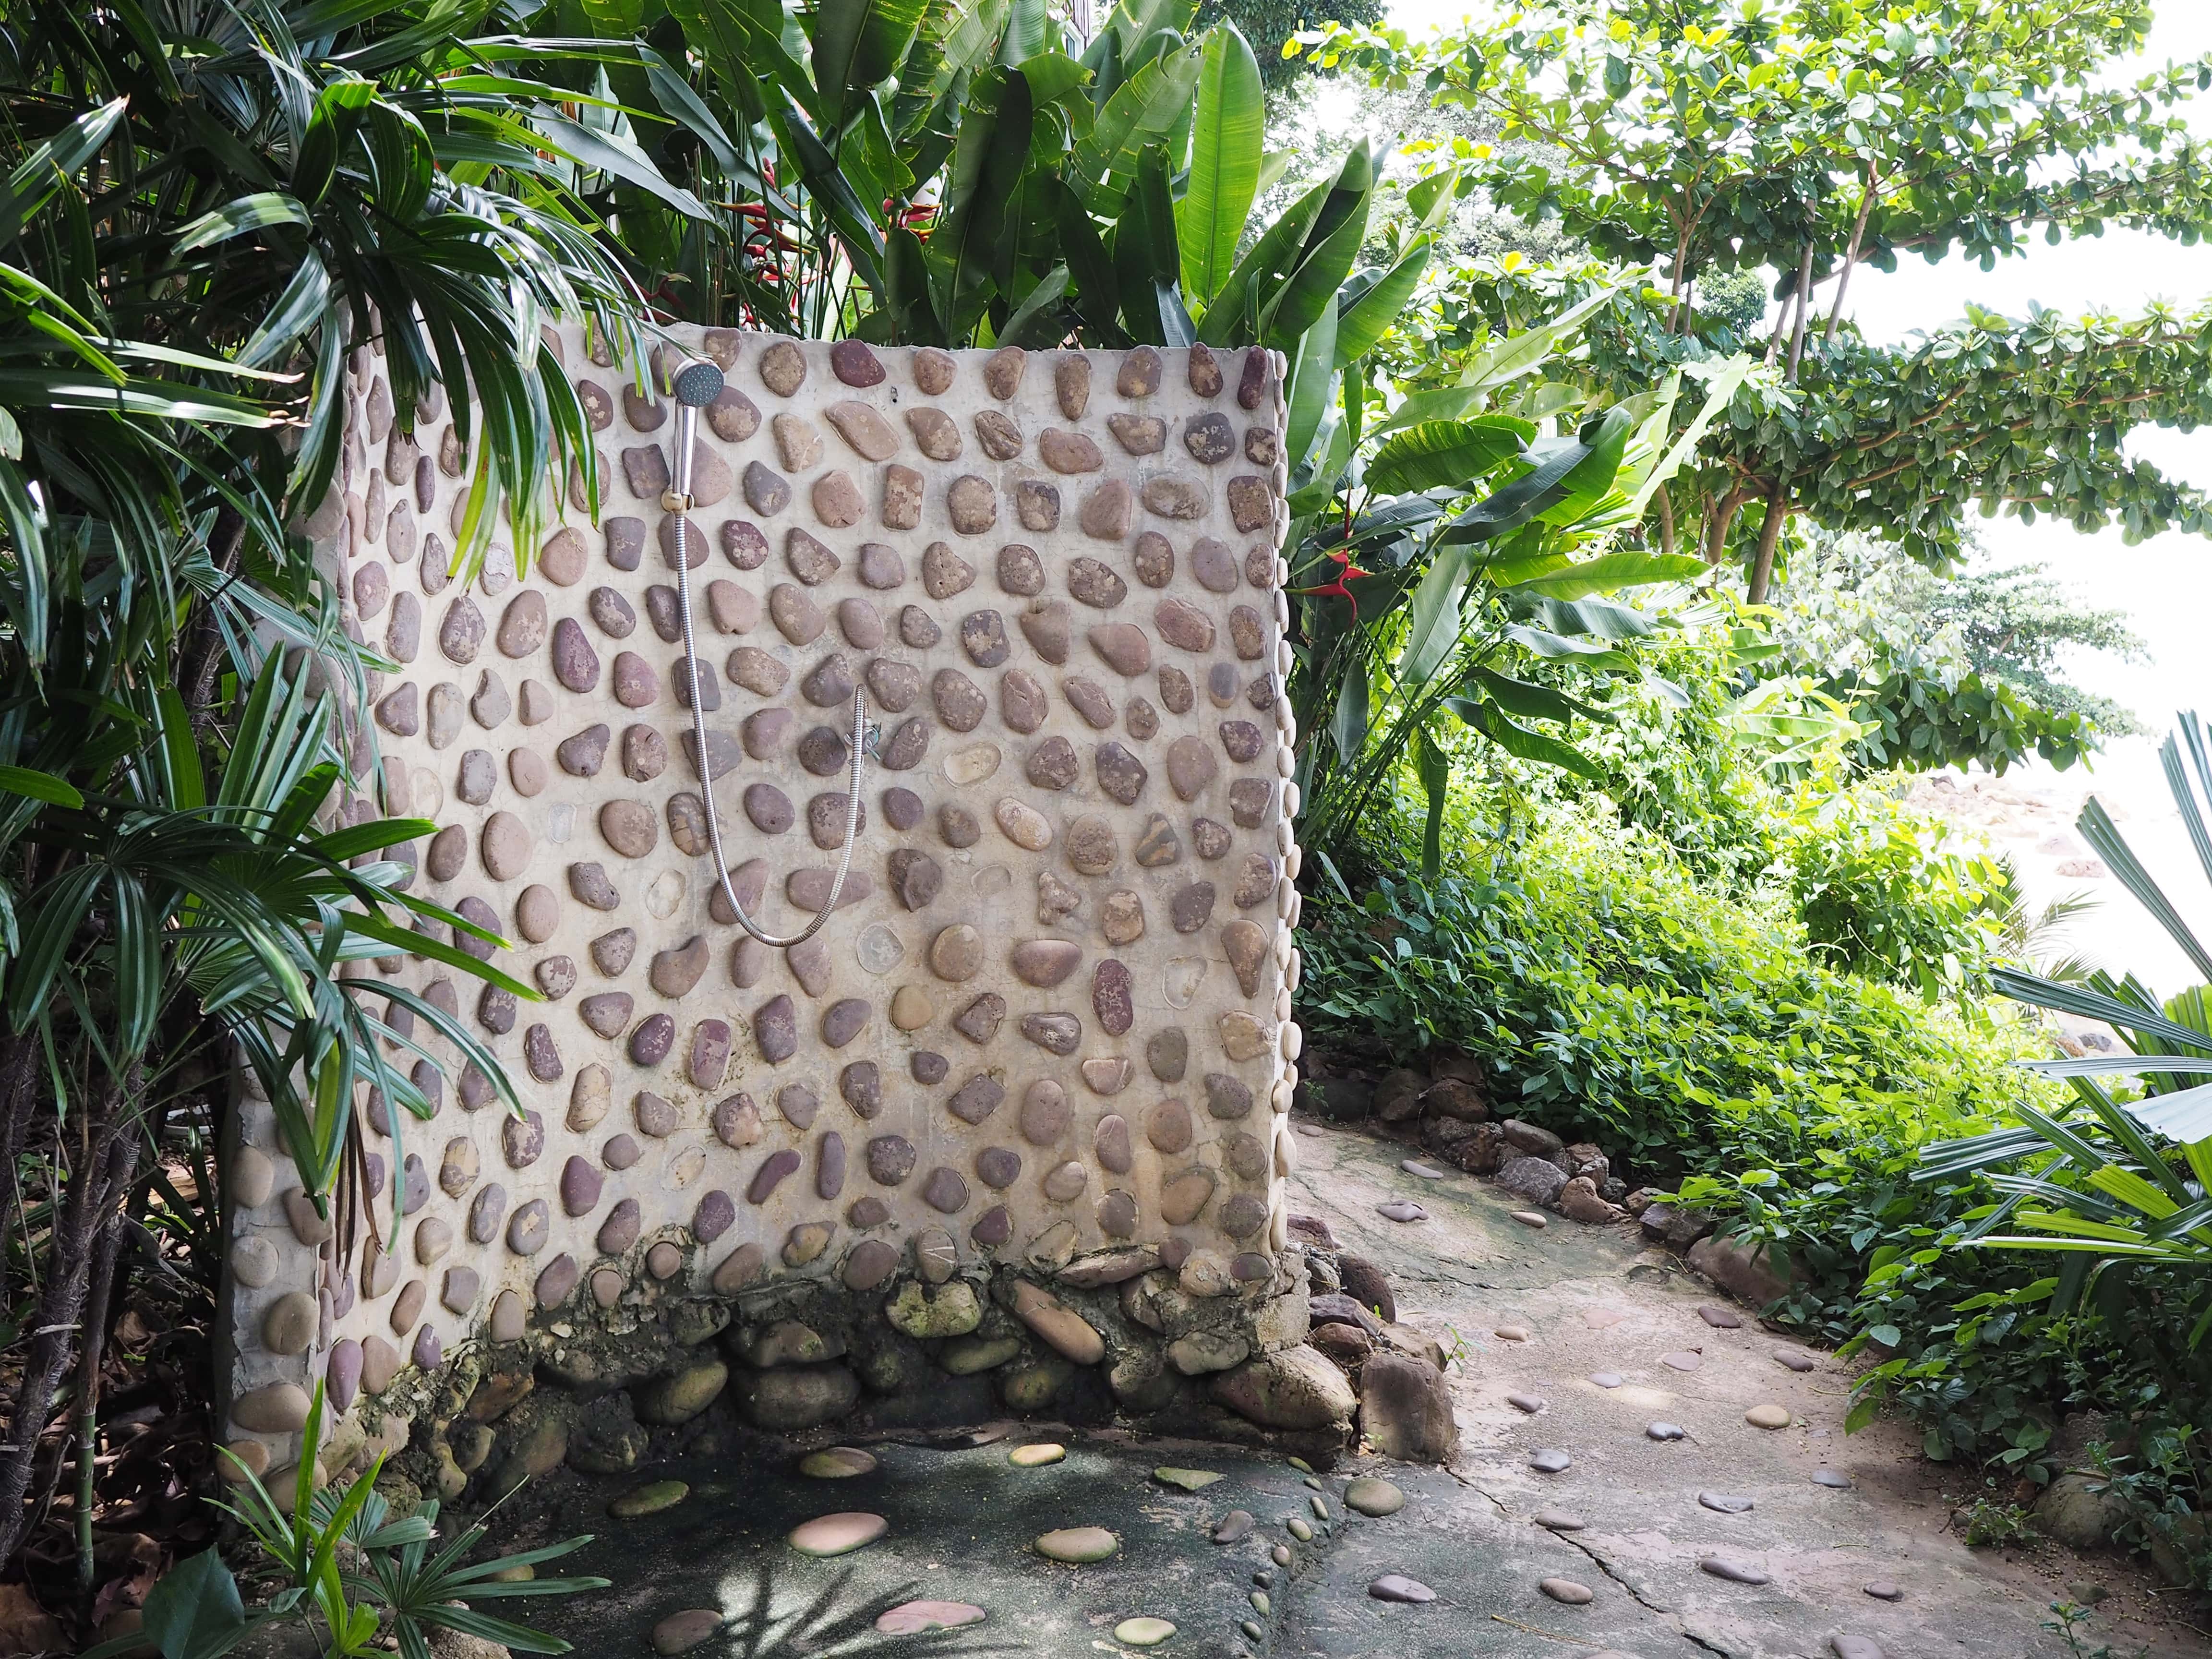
<point x="697" y="382"/>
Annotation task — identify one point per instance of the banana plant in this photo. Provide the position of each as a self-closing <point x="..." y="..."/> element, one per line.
<point x="1454" y="551"/>
<point x="2122" y="1177"/>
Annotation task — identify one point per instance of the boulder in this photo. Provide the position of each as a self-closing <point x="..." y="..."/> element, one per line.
<point x="1292" y="1389"/>
<point x="1405" y="1409"/>
<point x="1456" y="1097"/>
<point x="1364" y="1283"/>
<point x="683" y="1394"/>
<point x="1746" y="1271"/>
<point x="796" y="1396"/>
<point x="1537" y="1179"/>
<point x="1532" y="1138"/>
<point x="2080" y="1511"/>
<point x="1579" y="1200"/>
<point x="1398" y="1096"/>
<point x="1674" y="1225"/>
<point x="1341" y="1099"/>
<point x="1450" y="1062"/>
<point x="1584" y="1160"/>
<point x="1477" y="1148"/>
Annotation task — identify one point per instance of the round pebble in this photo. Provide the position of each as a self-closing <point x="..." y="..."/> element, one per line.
<point x="1280" y="1555"/>
<point x="1409" y="1165"/>
<point x="1549" y="1459"/>
<point x="1077" y="1545"/>
<point x="1038" y="1456"/>
<point x="1607" y="1379"/>
<point x="1253" y="1630"/>
<point x="1688" y="1361"/>
<point x="1664" y="1431"/>
<point x="1725" y="1502"/>
<point x="1567" y="1591"/>
<point x="839" y="1533"/>
<point x="1234" y="1528"/>
<point x="1531" y="1218"/>
<point x="1395" y="1587"/>
<point x="1835" y="1478"/>
<point x="1791" y="1359"/>
<point x="1768" y="1416"/>
<point x="919" y="1618"/>
<point x="1884" y="1589"/>
<point x="1722" y="1319"/>
<point x="1370" y="1495"/>
<point x="1298" y="1529"/>
<point x="1559" y="1520"/>
<point x="837" y="1463"/>
<point x="1735" y="1571"/>
<point x="1510" y="1334"/>
<point x="649" y="1500"/>
<point x="1402" y="1209"/>
<point x="682" y="1632"/>
<point x="1525" y="1402"/>
<point x="1142" y="1632"/>
<point x="1848" y="1646"/>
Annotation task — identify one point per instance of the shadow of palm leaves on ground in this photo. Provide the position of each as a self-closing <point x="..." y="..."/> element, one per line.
<point x="832" y="1626"/>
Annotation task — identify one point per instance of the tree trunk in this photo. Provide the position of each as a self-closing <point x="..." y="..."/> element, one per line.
<point x="1851" y="253"/>
<point x="1769" y="534"/>
<point x="100" y="1179"/>
<point x="1717" y="530"/>
<point x="1804" y="309"/>
<point x="1666" y="519"/>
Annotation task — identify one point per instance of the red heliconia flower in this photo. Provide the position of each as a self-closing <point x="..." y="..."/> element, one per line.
<point x="1335" y="589"/>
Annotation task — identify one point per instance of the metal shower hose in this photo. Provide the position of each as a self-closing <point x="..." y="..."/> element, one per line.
<point x="696" y="383"/>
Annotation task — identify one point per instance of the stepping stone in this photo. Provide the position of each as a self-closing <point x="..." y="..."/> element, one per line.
<point x="649" y="1500"/>
<point x="1559" y="1520"/>
<point x="1533" y="1218"/>
<point x="1395" y="1587"/>
<point x="1855" y="1647"/>
<point x="1235" y="1527"/>
<point x="1568" y="1591"/>
<point x="1768" y="1416"/>
<point x="1883" y="1590"/>
<point x="1727" y="1503"/>
<point x="1036" y="1455"/>
<point x="1664" y="1431"/>
<point x="1253" y="1630"/>
<point x="1372" y="1496"/>
<point x="1793" y="1360"/>
<point x="1188" y="1480"/>
<point x="1314" y="1483"/>
<point x="1525" y="1402"/>
<point x="1298" y="1529"/>
<point x="1835" y="1478"/>
<point x="1549" y="1459"/>
<point x="682" y="1632"/>
<point x="1320" y="1509"/>
<point x="1077" y="1545"/>
<point x="1413" y="1167"/>
<point x="838" y="1534"/>
<point x="1510" y="1334"/>
<point x="1143" y="1632"/>
<point x="1280" y="1555"/>
<point x="1403" y="1209"/>
<point x="1687" y="1360"/>
<point x="1599" y="1319"/>
<point x="1300" y="1465"/>
<point x="1737" y="1572"/>
<point x="837" y="1463"/>
<point x="1305" y="1128"/>
<point x="1607" y="1379"/>
<point x="919" y="1618"/>
<point x="1723" y="1319"/>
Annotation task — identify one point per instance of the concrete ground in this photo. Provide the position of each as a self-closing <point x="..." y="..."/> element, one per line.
<point x="1590" y="1300"/>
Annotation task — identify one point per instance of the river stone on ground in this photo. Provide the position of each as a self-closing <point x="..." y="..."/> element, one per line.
<point x="1259" y="1563"/>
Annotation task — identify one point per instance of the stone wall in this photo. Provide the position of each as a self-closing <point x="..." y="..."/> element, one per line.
<point x="1049" y="1026"/>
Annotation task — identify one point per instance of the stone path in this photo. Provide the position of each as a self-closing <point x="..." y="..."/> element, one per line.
<point x="1672" y="1524"/>
<point x="1593" y="1302"/>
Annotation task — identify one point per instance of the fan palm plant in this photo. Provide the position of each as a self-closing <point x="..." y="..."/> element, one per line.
<point x="2124" y="1176"/>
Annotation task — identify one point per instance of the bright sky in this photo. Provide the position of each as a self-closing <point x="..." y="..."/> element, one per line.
<point x="2164" y="585"/>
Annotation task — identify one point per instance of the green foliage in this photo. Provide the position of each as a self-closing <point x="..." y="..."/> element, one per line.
<point x="1269" y="25"/>
<point x="1806" y="139"/>
<point x="358" y="1577"/>
<point x="1881" y="897"/>
<point x="1988" y="1524"/>
<point x="1615" y="998"/>
<point x="1946" y="672"/>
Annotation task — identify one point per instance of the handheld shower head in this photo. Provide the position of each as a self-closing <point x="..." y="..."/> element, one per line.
<point x="697" y="382"/>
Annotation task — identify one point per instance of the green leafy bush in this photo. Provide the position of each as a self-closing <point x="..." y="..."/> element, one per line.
<point x="1614" y="995"/>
